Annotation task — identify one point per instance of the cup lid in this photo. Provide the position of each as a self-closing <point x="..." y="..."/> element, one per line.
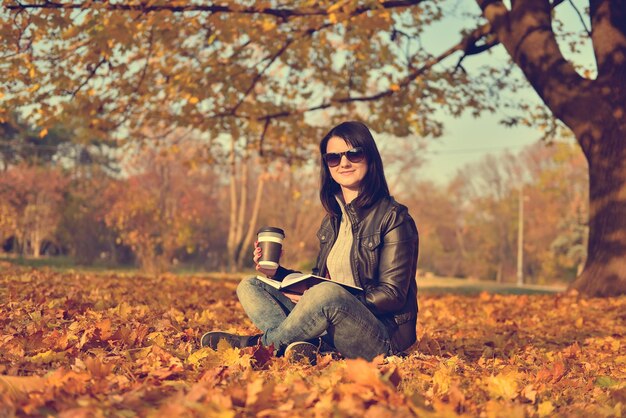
<point x="271" y="229"/>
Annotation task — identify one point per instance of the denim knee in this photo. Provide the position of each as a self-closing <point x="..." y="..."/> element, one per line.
<point x="328" y="293"/>
<point x="245" y="284"/>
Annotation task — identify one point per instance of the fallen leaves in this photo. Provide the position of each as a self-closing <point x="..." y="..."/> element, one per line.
<point x="91" y="345"/>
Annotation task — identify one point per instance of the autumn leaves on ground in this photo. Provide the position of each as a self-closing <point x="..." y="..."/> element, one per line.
<point x="76" y="344"/>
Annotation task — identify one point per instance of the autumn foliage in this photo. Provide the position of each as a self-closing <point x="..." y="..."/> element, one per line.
<point x="78" y="344"/>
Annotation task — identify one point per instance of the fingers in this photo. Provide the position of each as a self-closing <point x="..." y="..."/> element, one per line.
<point x="256" y="255"/>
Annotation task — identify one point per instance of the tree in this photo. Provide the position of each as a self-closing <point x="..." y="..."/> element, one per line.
<point x="265" y="68"/>
<point x="32" y="197"/>
<point x="163" y="204"/>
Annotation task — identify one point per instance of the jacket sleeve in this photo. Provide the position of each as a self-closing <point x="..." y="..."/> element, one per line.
<point x="282" y="272"/>
<point x="397" y="265"/>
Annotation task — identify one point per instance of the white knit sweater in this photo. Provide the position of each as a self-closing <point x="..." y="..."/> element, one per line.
<point x="338" y="261"/>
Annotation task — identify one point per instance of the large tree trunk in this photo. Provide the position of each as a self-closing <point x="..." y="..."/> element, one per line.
<point x="605" y="270"/>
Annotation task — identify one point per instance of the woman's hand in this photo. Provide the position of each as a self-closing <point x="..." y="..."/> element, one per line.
<point x="257" y="257"/>
<point x="293" y="297"/>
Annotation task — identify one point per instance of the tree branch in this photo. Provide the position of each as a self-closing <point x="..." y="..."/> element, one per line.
<point x="526" y="33"/>
<point x="282" y="13"/>
<point x="258" y="76"/>
<point x="580" y="17"/>
<point x="385" y="93"/>
<point x="89" y="77"/>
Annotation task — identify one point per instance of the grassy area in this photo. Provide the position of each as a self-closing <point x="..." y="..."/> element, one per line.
<point x="65" y="264"/>
<point x="430" y="285"/>
<point x="465" y="286"/>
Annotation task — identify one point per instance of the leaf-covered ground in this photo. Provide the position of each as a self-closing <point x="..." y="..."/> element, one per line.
<point x="110" y="345"/>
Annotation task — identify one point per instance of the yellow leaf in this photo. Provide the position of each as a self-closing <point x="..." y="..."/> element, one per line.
<point x="530" y="393"/>
<point x="177" y="315"/>
<point x="545" y="409"/>
<point x="206" y="317"/>
<point x="46" y="357"/>
<point x="504" y="385"/>
<point x="43" y="133"/>
<point x="442" y="380"/>
<point x="195" y="357"/>
<point x="194" y="100"/>
<point x="156" y="338"/>
<point x="394" y="87"/>
<point x="268" y="25"/>
<point x="579" y="323"/>
<point x="233" y="357"/>
<point x="333" y="18"/>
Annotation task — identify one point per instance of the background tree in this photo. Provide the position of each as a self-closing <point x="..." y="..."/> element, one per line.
<point x="32" y="197"/>
<point x="262" y="68"/>
<point x="163" y="204"/>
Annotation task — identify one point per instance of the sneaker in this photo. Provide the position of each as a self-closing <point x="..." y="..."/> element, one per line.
<point x="301" y="350"/>
<point x="211" y="339"/>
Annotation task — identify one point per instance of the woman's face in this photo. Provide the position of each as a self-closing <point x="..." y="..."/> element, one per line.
<point x="348" y="174"/>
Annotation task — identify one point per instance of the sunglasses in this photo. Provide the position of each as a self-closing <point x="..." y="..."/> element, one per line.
<point x="354" y="155"/>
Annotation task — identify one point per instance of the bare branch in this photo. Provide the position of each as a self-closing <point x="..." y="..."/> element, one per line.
<point x="89" y="77"/>
<point x="580" y="16"/>
<point x="265" y="128"/>
<point x="258" y="76"/>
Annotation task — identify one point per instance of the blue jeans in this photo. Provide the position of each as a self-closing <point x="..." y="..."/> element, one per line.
<point x="325" y="310"/>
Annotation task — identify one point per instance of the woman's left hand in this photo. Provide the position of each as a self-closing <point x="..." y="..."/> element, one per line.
<point x="292" y="297"/>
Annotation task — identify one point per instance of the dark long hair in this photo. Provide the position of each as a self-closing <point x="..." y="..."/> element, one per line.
<point x="373" y="186"/>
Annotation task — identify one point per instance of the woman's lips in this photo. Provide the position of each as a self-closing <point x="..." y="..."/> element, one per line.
<point x="346" y="172"/>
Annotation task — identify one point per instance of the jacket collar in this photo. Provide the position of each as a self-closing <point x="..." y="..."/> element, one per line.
<point x="355" y="214"/>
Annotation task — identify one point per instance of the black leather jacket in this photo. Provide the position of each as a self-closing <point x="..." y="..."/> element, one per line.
<point x="384" y="262"/>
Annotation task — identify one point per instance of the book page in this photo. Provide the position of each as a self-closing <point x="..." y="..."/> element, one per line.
<point x="271" y="282"/>
<point x="293" y="278"/>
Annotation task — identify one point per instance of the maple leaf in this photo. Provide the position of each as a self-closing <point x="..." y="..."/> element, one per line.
<point x="195" y="357"/>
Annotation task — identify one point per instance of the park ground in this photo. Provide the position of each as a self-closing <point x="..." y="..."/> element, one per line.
<point x="80" y="343"/>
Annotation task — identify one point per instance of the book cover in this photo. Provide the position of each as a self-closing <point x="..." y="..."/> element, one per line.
<point x="299" y="282"/>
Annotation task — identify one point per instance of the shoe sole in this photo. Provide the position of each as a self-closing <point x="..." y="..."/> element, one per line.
<point x="309" y="354"/>
<point x="205" y="344"/>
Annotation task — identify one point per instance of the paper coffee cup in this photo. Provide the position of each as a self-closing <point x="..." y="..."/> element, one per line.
<point x="271" y="243"/>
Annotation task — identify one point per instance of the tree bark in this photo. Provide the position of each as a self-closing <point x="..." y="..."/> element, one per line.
<point x="256" y="208"/>
<point x="604" y="273"/>
<point x="232" y="218"/>
<point x="243" y="209"/>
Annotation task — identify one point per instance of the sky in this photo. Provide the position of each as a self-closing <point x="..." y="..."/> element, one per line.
<point x="468" y="139"/>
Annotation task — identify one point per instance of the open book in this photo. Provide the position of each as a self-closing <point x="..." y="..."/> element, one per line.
<point x="298" y="282"/>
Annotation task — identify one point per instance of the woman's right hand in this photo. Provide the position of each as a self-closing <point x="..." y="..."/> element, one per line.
<point x="257" y="257"/>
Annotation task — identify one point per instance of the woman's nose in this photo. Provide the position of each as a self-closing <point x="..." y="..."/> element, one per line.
<point x="344" y="161"/>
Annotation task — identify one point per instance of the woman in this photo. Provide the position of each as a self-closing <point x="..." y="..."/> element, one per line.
<point x="366" y="239"/>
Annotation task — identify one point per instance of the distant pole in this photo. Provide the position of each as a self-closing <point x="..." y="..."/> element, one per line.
<point x="520" y="238"/>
